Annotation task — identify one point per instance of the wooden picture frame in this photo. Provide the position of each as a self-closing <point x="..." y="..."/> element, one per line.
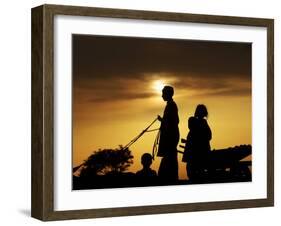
<point x="43" y="112"/>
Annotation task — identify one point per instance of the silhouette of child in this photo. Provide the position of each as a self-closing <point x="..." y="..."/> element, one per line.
<point x="146" y="161"/>
<point x="192" y="126"/>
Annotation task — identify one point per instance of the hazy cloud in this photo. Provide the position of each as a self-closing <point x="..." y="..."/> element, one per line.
<point x="118" y="68"/>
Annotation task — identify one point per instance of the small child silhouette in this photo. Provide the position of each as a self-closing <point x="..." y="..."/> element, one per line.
<point x="192" y="126"/>
<point x="146" y="161"/>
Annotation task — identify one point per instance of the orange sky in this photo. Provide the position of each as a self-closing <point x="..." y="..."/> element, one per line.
<point x="117" y="91"/>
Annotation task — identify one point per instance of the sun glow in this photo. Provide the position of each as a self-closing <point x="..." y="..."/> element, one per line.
<point x="158" y="85"/>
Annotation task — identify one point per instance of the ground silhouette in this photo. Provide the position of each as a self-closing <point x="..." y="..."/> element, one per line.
<point x="224" y="166"/>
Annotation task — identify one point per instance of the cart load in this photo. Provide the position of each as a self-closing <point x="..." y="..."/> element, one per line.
<point x="227" y="165"/>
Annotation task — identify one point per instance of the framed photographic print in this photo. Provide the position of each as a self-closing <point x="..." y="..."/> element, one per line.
<point x="141" y="112"/>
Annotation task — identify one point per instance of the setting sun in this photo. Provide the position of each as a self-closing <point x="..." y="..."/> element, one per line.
<point x="158" y="85"/>
<point x="117" y="92"/>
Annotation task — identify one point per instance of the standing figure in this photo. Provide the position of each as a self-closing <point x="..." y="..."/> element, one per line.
<point x="169" y="138"/>
<point x="197" y="148"/>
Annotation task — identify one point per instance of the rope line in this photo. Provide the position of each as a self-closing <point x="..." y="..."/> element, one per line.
<point x="155" y="145"/>
<point x="138" y="136"/>
<point x="152" y="130"/>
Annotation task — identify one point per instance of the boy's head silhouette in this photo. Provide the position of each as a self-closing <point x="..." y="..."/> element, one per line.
<point x="167" y="93"/>
<point x="146" y="160"/>
<point x="192" y="123"/>
<point x="201" y="111"/>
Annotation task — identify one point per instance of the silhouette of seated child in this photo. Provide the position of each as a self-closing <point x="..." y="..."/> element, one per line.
<point x="146" y="171"/>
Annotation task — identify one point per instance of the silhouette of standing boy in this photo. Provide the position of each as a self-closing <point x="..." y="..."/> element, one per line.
<point x="191" y="138"/>
<point x="169" y="138"/>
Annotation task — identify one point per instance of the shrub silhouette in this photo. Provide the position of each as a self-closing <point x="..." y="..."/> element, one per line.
<point x="107" y="161"/>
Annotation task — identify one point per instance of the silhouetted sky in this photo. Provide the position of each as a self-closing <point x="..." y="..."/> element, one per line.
<point x="126" y="61"/>
<point x="117" y="91"/>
